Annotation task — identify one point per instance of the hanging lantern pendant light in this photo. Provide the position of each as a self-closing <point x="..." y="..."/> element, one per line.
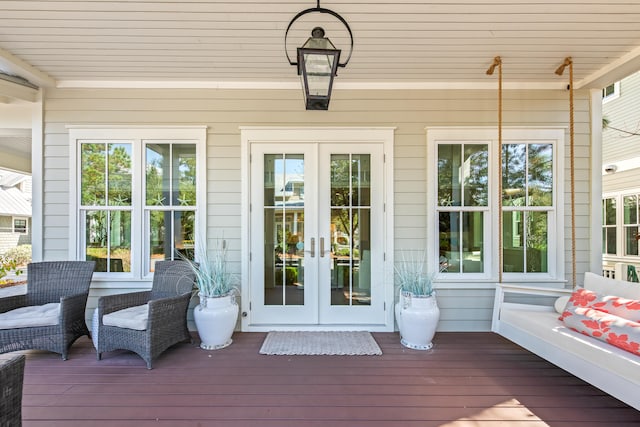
<point x="317" y="62"/>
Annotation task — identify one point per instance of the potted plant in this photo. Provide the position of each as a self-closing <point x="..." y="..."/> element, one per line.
<point x="417" y="311"/>
<point x="217" y="313"/>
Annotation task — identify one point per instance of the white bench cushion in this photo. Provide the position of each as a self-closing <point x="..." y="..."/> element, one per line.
<point x="31" y="316"/>
<point x="129" y="318"/>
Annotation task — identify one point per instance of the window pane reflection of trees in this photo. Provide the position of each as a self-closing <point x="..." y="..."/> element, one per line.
<point x="284" y="229"/>
<point x="106" y="182"/>
<point x="170" y="195"/>
<point x="350" y="229"/>
<point x="463" y="197"/>
<point x="527" y="185"/>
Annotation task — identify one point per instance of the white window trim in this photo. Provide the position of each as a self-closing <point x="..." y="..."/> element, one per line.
<point x="620" y="256"/>
<point x="13" y="224"/>
<point x="614" y="95"/>
<point x="554" y="135"/>
<point x="486" y="210"/>
<point x="137" y="135"/>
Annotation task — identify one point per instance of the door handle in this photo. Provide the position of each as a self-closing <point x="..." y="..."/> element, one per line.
<point x="322" y="247"/>
<point x="313" y="247"/>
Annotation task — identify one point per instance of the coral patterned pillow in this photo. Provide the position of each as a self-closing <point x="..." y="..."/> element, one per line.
<point x="626" y="308"/>
<point x="580" y="298"/>
<point x="606" y="327"/>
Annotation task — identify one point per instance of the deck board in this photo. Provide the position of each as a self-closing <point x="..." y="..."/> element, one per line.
<point x="467" y="379"/>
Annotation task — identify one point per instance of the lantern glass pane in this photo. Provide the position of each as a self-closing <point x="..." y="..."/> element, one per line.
<point x="319" y="69"/>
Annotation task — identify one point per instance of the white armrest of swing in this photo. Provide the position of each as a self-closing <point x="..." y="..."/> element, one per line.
<point x="526" y="290"/>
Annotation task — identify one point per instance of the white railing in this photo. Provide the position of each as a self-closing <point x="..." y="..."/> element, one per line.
<point x="609" y="271"/>
<point x="621" y="271"/>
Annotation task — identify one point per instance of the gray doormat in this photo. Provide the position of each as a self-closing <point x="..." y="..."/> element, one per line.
<point x="353" y="343"/>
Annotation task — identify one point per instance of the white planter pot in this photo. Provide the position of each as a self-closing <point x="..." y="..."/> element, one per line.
<point x="417" y="318"/>
<point x="215" y="319"/>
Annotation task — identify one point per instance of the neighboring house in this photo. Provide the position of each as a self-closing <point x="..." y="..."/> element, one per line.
<point x="621" y="176"/>
<point x="15" y="210"/>
<point x="139" y="151"/>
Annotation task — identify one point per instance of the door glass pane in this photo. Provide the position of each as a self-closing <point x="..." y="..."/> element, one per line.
<point x="284" y="229"/>
<point x="340" y="182"/>
<point x="361" y="179"/>
<point x="361" y="258"/>
<point x="350" y="229"/>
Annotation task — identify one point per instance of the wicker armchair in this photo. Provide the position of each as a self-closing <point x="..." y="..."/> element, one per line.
<point x="64" y="282"/>
<point x="166" y="317"/>
<point x="11" y="380"/>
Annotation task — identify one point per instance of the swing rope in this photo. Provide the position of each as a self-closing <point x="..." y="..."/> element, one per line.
<point x="568" y="62"/>
<point x="497" y="62"/>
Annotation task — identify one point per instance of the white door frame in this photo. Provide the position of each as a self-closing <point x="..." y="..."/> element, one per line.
<point x="368" y="135"/>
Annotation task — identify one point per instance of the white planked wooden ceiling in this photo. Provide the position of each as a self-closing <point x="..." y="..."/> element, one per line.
<point x="240" y="43"/>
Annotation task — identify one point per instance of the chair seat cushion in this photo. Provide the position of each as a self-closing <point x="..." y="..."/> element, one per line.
<point x="129" y="318"/>
<point x="31" y="316"/>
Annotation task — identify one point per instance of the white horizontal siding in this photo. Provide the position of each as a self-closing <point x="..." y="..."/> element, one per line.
<point x="224" y="111"/>
<point x="621" y="181"/>
<point x="621" y="140"/>
<point x="623" y="115"/>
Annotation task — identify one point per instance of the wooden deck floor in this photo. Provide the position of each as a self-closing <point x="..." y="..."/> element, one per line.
<point x="468" y="379"/>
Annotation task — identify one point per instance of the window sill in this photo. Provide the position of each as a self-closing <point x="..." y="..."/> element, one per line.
<point x="491" y="284"/>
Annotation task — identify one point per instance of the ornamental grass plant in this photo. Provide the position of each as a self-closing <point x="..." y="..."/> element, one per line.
<point x="213" y="278"/>
<point x="411" y="274"/>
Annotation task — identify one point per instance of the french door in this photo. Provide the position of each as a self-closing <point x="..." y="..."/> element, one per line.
<point x="317" y="235"/>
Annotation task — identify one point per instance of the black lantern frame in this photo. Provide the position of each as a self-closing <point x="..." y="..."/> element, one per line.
<point x="318" y="100"/>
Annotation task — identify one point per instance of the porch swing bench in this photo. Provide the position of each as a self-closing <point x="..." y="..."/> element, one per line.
<point x="537" y="328"/>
